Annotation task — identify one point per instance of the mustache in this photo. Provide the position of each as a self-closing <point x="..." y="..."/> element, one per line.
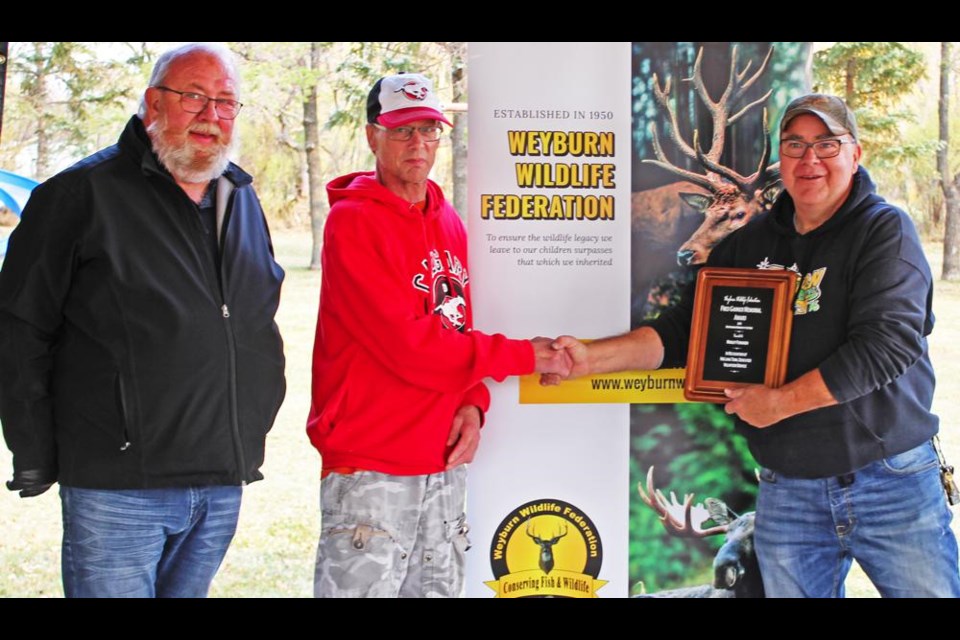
<point x="181" y="157"/>
<point x="209" y="129"/>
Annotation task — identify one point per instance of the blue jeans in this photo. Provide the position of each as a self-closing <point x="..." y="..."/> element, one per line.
<point x="891" y="516"/>
<point x="145" y="543"/>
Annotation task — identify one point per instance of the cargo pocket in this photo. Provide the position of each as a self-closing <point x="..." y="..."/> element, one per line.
<point x="355" y="560"/>
<point x="443" y="565"/>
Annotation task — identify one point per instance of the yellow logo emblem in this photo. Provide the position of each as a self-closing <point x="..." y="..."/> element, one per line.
<point x="546" y="548"/>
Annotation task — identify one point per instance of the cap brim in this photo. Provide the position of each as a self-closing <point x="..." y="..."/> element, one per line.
<point x="835" y="127"/>
<point x="405" y="116"/>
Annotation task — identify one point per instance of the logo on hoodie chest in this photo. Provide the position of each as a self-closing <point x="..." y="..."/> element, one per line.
<point x="444" y="279"/>
<point x="808" y="293"/>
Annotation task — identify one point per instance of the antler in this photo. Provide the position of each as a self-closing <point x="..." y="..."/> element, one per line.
<point x="678" y="518"/>
<point x="720" y="109"/>
<point x="662" y="97"/>
<point x="736" y="87"/>
<point x="746" y="184"/>
<point x="527" y="531"/>
<point x="534" y="535"/>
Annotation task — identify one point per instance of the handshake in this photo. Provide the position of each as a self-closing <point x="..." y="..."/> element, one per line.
<point x="560" y="359"/>
<point x="566" y="357"/>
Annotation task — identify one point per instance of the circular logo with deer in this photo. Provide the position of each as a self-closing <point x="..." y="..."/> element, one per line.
<point x="546" y="548"/>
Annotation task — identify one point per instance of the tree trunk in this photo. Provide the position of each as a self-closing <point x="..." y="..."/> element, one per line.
<point x="41" y="169"/>
<point x="3" y="80"/>
<point x="38" y="99"/>
<point x="458" y="136"/>
<point x="851" y="86"/>
<point x="951" y="196"/>
<point x="311" y="144"/>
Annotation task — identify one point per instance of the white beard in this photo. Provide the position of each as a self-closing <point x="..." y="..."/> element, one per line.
<point x="185" y="162"/>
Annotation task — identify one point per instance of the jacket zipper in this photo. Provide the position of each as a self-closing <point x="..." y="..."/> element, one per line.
<point x="234" y="422"/>
<point x="219" y="290"/>
<point x="231" y="352"/>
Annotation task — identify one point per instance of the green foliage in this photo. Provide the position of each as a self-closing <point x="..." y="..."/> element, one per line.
<point x="791" y="78"/>
<point x="898" y="122"/>
<point x="65" y="93"/>
<point x="277" y="173"/>
<point x="274" y="77"/>
<point x="874" y="78"/>
<point x="694" y="449"/>
<point x="362" y="65"/>
<point x="277" y="79"/>
<point x="65" y="100"/>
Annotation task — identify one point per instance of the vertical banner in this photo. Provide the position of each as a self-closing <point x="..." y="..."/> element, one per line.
<point x="549" y="227"/>
<point x="703" y="165"/>
<point x="601" y="176"/>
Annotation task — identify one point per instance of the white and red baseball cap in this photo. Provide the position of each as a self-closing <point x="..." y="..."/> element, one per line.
<point x="406" y="97"/>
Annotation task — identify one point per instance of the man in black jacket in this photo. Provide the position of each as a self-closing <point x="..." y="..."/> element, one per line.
<point x="140" y="364"/>
<point x="849" y="471"/>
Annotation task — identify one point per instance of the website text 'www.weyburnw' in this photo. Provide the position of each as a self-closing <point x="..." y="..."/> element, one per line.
<point x="640" y="383"/>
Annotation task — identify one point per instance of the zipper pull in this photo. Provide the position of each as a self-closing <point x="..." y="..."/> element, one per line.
<point x="226" y="311"/>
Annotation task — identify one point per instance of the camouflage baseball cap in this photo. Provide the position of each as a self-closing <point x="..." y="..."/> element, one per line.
<point x="833" y="111"/>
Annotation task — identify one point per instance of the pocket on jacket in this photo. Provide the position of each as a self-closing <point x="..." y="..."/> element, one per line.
<point x="123" y="409"/>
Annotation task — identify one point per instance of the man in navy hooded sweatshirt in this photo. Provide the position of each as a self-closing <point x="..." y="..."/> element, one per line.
<point x="848" y="467"/>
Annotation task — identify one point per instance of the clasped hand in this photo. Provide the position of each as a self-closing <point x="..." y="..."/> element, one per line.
<point x="559" y="359"/>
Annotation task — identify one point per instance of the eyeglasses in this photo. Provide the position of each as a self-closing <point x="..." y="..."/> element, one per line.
<point x="829" y="148"/>
<point x="402" y="134"/>
<point x="197" y="102"/>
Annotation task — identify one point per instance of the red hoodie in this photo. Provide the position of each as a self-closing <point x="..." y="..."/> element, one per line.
<point x="395" y="353"/>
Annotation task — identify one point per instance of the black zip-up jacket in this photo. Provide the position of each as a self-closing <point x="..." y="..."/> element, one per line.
<point x="862" y="315"/>
<point x="125" y="361"/>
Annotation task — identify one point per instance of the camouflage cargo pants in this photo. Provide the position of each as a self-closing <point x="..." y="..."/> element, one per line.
<point x="386" y="536"/>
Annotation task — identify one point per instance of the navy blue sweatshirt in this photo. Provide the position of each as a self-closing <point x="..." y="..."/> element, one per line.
<point x="862" y="315"/>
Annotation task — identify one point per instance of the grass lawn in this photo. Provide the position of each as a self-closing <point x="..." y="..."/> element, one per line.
<point x="272" y="554"/>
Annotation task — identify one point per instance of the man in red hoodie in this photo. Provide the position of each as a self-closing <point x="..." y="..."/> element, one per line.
<point x="398" y="398"/>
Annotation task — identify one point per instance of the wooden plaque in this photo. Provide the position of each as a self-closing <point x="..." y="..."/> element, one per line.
<point x="740" y="334"/>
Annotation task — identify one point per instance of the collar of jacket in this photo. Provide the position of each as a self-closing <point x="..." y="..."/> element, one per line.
<point x="862" y="195"/>
<point x="135" y="141"/>
<point x="364" y="185"/>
